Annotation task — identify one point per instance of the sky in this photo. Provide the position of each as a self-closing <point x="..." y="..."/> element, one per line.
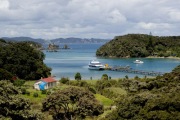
<point x="49" y="19"/>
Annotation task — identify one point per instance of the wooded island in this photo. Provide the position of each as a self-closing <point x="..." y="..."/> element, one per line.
<point x="141" y="45"/>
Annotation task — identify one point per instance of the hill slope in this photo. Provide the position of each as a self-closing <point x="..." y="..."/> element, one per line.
<point x="141" y="45"/>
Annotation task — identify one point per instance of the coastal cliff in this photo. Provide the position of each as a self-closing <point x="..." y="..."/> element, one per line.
<point x="141" y="45"/>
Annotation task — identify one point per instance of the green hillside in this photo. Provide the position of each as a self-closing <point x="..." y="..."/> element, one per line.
<point x="141" y="45"/>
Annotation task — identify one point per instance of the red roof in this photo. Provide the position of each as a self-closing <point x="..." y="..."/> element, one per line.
<point x="48" y="80"/>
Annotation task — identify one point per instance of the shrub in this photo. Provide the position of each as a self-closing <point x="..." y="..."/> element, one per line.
<point x="126" y="77"/>
<point x="64" y="80"/>
<point x="28" y="93"/>
<point x="23" y="90"/>
<point x="43" y="91"/>
<point x="35" y="94"/>
<point x="83" y="84"/>
<point x="74" y="83"/>
<point x="136" y="77"/>
<point x="113" y="82"/>
<point x="5" y="75"/>
<point x="104" y="77"/>
<point x="18" y="82"/>
<point x="77" y="76"/>
<point x="92" y="89"/>
<point x="48" y="92"/>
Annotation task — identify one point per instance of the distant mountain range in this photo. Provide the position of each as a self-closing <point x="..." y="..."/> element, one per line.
<point x="23" y="39"/>
<point x="79" y="40"/>
<point x="58" y="40"/>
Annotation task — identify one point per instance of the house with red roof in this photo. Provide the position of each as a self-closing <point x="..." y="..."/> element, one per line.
<point x="45" y="83"/>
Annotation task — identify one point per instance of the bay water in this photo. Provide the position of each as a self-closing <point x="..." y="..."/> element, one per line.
<point x="67" y="62"/>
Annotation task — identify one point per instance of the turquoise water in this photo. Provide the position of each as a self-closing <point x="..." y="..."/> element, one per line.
<point x="66" y="63"/>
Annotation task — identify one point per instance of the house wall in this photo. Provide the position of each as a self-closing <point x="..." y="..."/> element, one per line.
<point x="50" y="85"/>
<point x="36" y="86"/>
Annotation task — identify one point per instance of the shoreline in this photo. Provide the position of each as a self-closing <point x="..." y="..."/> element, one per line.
<point x="170" y="57"/>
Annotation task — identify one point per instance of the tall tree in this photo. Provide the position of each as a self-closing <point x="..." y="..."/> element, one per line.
<point x="72" y="103"/>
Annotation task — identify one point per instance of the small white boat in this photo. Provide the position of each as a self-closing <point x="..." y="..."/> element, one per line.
<point x="96" y="65"/>
<point x="138" y="62"/>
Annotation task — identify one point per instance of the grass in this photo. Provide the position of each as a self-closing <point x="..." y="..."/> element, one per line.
<point x="91" y="82"/>
<point x="37" y="101"/>
<point x="118" y="90"/>
<point x="104" y="100"/>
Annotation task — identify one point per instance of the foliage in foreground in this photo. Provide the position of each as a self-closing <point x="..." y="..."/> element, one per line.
<point x="72" y="103"/>
<point x="12" y="106"/>
<point x="157" y="99"/>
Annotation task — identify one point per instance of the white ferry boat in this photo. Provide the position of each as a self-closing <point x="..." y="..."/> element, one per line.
<point x="96" y="65"/>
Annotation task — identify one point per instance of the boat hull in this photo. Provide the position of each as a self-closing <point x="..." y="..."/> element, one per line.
<point x="96" y="68"/>
<point x="138" y="62"/>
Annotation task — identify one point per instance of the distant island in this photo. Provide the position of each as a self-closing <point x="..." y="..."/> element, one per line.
<point x="54" y="48"/>
<point x="141" y="45"/>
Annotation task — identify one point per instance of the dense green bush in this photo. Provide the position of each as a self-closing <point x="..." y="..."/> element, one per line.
<point x="92" y="89"/>
<point x="83" y="104"/>
<point x="5" y="75"/>
<point x="156" y="98"/>
<point x="23" y="91"/>
<point x="64" y="80"/>
<point x="104" y="77"/>
<point x="35" y="94"/>
<point x="83" y="84"/>
<point x="28" y="93"/>
<point x="77" y="76"/>
<point x="13" y="106"/>
<point x="43" y="91"/>
<point x="18" y="82"/>
<point x="23" y="60"/>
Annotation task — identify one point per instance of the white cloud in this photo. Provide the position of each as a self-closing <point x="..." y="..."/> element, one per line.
<point x="4" y="4"/>
<point x="153" y="26"/>
<point x="95" y="18"/>
<point x="175" y="15"/>
<point x="116" y="17"/>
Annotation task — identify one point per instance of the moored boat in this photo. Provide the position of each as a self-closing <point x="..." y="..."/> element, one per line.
<point x="138" y="62"/>
<point x="96" y="65"/>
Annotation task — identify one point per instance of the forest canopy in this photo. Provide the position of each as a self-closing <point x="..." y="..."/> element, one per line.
<point x="23" y="60"/>
<point x="141" y="45"/>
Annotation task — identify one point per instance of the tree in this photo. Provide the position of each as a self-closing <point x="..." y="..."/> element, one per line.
<point x="72" y="103"/>
<point x="12" y="106"/>
<point x="2" y="40"/>
<point x="77" y="76"/>
<point x="104" y="77"/>
<point x="5" y="75"/>
<point x="23" y="60"/>
<point x="157" y="98"/>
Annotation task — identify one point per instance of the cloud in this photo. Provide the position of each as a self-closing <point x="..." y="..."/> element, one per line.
<point x="95" y="18"/>
<point x="174" y="15"/>
<point x="4" y="4"/>
<point x="116" y="17"/>
<point x="152" y="26"/>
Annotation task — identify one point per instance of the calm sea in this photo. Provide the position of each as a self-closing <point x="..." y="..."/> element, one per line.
<point x="66" y="63"/>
